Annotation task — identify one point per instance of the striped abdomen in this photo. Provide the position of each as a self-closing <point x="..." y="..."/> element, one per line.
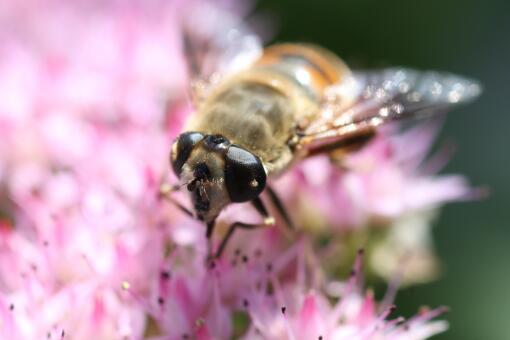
<point x="307" y="66"/>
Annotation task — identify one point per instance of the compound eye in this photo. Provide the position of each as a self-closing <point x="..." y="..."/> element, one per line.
<point x="245" y="176"/>
<point x="181" y="149"/>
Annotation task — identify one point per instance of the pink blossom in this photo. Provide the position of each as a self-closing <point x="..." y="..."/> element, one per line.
<point x="294" y="311"/>
<point x="297" y="306"/>
<point x="389" y="188"/>
<point x="389" y="178"/>
<point x="84" y="150"/>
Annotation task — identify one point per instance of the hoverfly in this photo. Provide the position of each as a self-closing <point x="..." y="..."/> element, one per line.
<point x="261" y="110"/>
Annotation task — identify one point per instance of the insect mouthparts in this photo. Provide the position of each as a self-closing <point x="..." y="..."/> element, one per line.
<point x="201" y="200"/>
<point x="202" y="172"/>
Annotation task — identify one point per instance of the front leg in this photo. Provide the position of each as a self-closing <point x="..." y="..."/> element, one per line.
<point x="277" y="203"/>
<point x="166" y="190"/>
<point x="267" y="222"/>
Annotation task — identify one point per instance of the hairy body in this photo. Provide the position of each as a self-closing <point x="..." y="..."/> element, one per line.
<point x="263" y="108"/>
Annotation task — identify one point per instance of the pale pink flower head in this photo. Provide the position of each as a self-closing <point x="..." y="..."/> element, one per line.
<point x="84" y="88"/>
<point x="302" y="308"/>
<point x="391" y="177"/>
<point x="193" y="297"/>
<point x="285" y="296"/>
<point x="384" y="197"/>
<point x="185" y="300"/>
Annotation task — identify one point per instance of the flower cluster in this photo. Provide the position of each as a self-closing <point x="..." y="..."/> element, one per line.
<point x="385" y="195"/>
<point x="283" y="299"/>
<point x="90" y="99"/>
<point x="84" y="147"/>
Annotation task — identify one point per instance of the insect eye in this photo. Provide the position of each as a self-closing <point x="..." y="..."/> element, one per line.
<point x="245" y="176"/>
<point x="181" y="149"/>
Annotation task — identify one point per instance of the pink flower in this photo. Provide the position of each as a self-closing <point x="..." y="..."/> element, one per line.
<point x="313" y="317"/>
<point x="389" y="178"/>
<point x="294" y="311"/>
<point x="84" y="149"/>
<point x="285" y="297"/>
<point x="390" y="189"/>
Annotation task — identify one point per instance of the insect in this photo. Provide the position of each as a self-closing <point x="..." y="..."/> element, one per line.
<point x="261" y="110"/>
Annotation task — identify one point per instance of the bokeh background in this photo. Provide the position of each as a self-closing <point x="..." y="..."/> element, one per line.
<point x="469" y="37"/>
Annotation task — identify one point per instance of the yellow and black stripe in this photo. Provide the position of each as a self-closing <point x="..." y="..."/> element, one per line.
<point x="308" y="66"/>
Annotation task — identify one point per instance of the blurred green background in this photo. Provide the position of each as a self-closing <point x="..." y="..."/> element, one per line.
<point x="469" y="37"/>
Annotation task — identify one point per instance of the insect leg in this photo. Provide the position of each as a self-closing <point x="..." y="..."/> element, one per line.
<point x="210" y="228"/>
<point x="165" y="191"/>
<point x="277" y="203"/>
<point x="268" y="221"/>
<point x="208" y="235"/>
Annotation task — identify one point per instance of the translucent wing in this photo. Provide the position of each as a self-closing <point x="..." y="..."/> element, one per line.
<point x="358" y="105"/>
<point x="215" y="43"/>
